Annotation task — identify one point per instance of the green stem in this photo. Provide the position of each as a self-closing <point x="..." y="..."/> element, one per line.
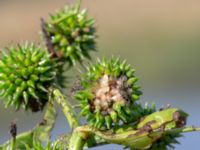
<point x="94" y="141"/>
<point x="43" y="130"/>
<point x="77" y="140"/>
<point x="13" y="144"/>
<point x="26" y="137"/>
<point x="66" y="108"/>
<point x="40" y="133"/>
<point x="184" y="129"/>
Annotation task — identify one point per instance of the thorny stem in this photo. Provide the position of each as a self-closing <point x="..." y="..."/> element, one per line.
<point x="66" y="108"/>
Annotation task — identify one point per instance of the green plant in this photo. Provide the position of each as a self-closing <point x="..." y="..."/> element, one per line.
<point x="107" y="94"/>
<point x="26" y="72"/>
<point x="71" y="34"/>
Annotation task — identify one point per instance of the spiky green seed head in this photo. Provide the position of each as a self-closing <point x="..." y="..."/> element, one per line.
<point x="26" y="72"/>
<point x="108" y="93"/>
<point x="72" y="34"/>
<point x="166" y="142"/>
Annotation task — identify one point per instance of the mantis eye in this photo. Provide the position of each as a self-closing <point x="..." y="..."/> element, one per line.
<point x="180" y="118"/>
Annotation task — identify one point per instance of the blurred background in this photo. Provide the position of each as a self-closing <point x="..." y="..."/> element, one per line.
<point x="161" y="39"/>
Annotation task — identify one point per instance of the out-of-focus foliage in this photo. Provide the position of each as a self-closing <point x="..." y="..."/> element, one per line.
<point x="71" y="33"/>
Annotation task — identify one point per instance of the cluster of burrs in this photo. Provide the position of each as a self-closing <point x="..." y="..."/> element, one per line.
<point x="71" y="33"/>
<point x="26" y="72"/>
<point x="108" y="93"/>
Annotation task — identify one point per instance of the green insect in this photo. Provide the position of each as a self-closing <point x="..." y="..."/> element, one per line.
<point x="148" y="131"/>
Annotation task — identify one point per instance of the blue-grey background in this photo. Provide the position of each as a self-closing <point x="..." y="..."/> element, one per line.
<point x="161" y="39"/>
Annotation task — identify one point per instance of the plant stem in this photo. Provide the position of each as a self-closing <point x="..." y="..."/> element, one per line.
<point x="47" y="122"/>
<point x="184" y="129"/>
<point x="77" y="140"/>
<point x="26" y="137"/>
<point x="66" y="108"/>
<point x="13" y="144"/>
<point x="40" y="133"/>
<point x="94" y="141"/>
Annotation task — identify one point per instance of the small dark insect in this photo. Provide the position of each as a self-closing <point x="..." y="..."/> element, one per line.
<point x="13" y="129"/>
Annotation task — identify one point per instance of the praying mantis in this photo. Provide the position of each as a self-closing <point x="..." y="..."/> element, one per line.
<point x="142" y="135"/>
